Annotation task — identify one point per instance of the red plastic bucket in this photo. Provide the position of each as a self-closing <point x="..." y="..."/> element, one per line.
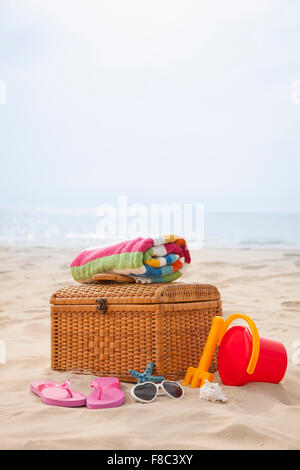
<point x="235" y="352"/>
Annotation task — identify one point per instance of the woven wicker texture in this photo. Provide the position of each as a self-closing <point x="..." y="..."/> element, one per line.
<point x="141" y="323"/>
<point x="135" y="293"/>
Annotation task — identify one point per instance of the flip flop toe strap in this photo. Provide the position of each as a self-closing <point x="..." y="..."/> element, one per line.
<point x="100" y="389"/>
<point x="64" y="386"/>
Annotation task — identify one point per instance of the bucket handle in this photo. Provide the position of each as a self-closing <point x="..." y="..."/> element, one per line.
<point x="255" y="336"/>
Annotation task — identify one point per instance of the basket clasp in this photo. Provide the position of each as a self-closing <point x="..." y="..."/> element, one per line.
<point x="102" y="304"/>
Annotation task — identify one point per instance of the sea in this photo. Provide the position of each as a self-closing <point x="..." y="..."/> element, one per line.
<point x="80" y="226"/>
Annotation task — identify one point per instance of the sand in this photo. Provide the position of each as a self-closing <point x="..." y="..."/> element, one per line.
<point x="262" y="283"/>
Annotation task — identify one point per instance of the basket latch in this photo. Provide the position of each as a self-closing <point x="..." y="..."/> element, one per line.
<point x="102" y="304"/>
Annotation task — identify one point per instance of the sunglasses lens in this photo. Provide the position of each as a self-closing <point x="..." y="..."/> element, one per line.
<point x="145" y="391"/>
<point x="173" y="389"/>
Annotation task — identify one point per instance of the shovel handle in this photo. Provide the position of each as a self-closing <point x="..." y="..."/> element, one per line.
<point x="211" y="343"/>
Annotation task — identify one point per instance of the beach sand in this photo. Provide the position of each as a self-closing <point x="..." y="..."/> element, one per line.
<point x="262" y="283"/>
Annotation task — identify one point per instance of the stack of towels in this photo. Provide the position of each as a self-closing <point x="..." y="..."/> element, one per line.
<point x="146" y="260"/>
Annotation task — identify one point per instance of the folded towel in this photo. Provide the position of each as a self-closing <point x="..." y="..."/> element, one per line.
<point x="145" y="259"/>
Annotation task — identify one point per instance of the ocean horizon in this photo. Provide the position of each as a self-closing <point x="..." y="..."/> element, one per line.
<point x="70" y="226"/>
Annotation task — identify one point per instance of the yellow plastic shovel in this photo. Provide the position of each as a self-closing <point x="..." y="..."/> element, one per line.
<point x="196" y="375"/>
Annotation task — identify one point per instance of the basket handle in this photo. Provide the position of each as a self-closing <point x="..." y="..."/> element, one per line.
<point x="113" y="278"/>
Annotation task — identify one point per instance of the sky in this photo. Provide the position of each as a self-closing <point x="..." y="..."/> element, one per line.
<point x="160" y="101"/>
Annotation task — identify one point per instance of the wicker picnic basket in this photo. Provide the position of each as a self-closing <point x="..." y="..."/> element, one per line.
<point x="107" y="328"/>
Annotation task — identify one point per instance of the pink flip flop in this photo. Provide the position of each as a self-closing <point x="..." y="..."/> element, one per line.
<point x="56" y="394"/>
<point x="106" y="394"/>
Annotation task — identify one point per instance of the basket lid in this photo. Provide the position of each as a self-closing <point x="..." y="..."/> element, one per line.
<point x="85" y="294"/>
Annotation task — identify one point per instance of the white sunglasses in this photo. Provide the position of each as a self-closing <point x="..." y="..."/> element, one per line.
<point x="148" y="391"/>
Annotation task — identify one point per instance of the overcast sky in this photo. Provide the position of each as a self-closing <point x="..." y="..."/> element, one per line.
<point x="162" y="101"/>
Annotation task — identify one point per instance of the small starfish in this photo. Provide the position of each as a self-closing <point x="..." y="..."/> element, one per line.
<point x="146" y="376"/>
